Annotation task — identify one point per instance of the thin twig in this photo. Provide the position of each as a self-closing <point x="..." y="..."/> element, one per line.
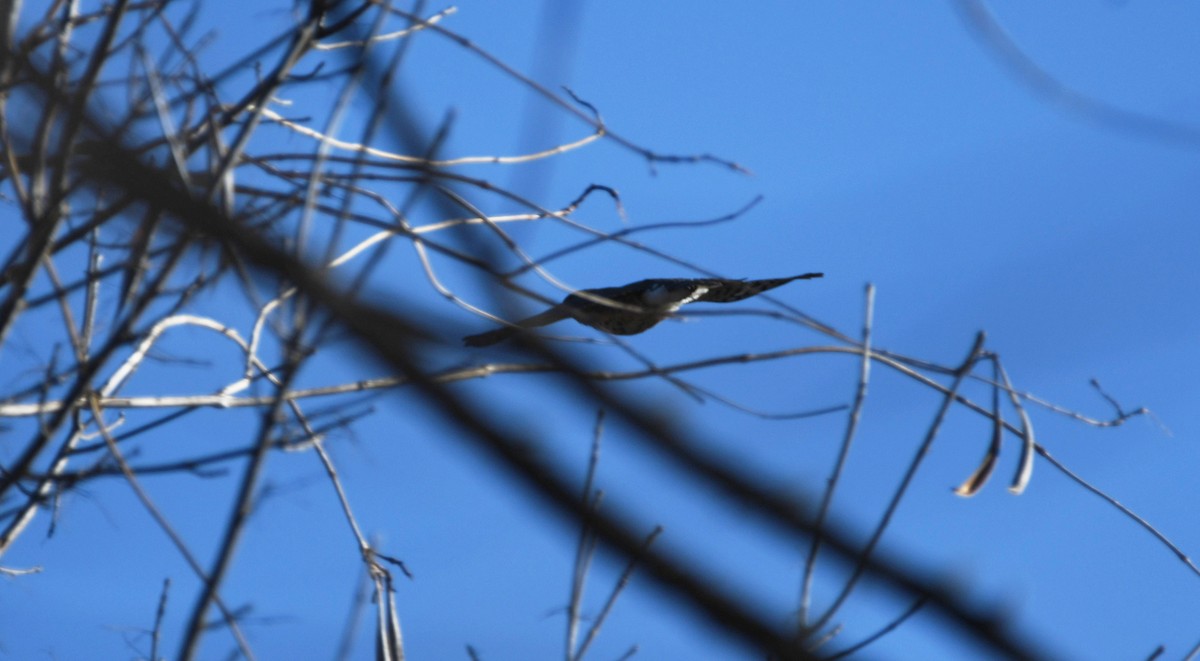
<point x="860" y="398"/>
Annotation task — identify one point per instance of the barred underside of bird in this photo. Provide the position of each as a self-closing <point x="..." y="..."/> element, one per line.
<point x="638" y="306"/>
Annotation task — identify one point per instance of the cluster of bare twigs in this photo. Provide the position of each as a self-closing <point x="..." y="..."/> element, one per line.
<point x="140" y="183"/>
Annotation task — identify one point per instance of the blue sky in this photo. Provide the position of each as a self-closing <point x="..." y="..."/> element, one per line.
<point x="892" y="146"/>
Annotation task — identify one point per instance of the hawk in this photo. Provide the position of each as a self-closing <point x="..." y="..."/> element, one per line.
<point x="636" y="307"/>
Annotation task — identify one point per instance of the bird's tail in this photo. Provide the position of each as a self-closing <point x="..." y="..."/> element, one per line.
<point x="491" y="337"/>
<point x="505" y="332"/>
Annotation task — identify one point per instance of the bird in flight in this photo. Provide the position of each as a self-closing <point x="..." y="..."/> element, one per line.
<point x="638" y="306"/>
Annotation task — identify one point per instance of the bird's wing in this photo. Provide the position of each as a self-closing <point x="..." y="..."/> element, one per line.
<point x="556" y="313"/>
<point x="682" y="292"/>
<point x="728" y="291"/>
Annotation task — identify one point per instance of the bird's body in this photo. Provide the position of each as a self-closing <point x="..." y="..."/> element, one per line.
<point x="638" y="306"/>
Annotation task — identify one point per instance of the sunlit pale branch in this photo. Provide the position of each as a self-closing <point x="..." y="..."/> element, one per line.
<point x="389" y="641"/>
<point x="398" y="34"/>
<point x="9" y="571"/>
<point x="424" y="162"/>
